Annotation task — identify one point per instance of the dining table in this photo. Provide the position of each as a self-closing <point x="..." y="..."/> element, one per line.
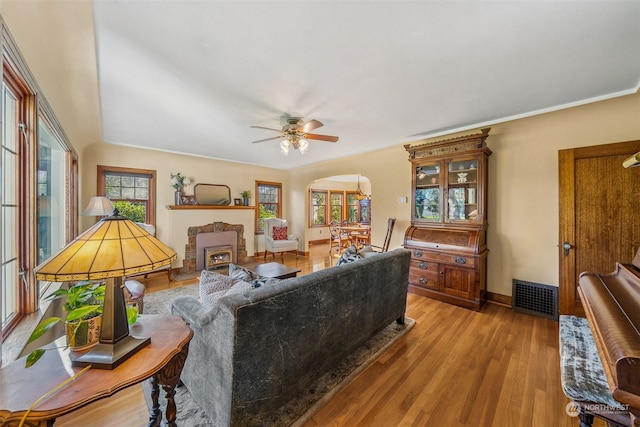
<point x="358" y="234"/>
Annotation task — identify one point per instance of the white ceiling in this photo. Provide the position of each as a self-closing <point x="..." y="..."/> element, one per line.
<point x="193" y="76"/>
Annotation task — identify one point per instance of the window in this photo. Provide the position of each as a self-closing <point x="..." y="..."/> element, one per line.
<point x="318" y="208"/>
<point x="132" y="191"/>
<point x="269" y="202"/>
<point x="353" y="205"/>
<point x="52" y="173"/>
<point x="322" y="214"/>
<point x="337" y="214"/>
<point x="13" y="148"/>
<point x="38" y="191"/>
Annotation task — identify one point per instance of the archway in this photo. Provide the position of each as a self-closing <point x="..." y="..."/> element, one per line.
<point x="340" y="198"/>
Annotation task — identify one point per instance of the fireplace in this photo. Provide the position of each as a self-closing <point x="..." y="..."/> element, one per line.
<point x="217" y="256"/>
<point x="214" y="234"/>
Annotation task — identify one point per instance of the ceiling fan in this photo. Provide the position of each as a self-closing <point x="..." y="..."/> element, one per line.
<point x="295" y="133"/>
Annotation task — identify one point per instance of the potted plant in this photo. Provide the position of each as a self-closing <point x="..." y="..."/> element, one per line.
<point x="246" y="194"/>
<point x="178" y="182"/>
<point x="83" y="303"/>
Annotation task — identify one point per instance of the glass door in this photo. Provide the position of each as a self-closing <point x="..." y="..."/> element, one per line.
<point x="462" y="203"/>
<point x="428" y="195"/>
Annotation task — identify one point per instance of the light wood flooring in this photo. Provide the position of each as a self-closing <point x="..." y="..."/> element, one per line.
<point x="454" y="368"/>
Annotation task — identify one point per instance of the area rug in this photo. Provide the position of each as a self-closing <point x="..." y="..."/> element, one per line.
<point x="301" y="409"/>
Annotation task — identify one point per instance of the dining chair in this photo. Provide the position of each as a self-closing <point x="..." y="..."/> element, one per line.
<point x="338" y="238"/>
<point x="391" y="222"/>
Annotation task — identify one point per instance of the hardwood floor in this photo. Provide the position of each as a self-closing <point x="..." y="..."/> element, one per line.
<point x="454" y="368"/>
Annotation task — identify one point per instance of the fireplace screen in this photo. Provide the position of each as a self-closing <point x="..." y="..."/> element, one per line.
<point x="217" y="256"/>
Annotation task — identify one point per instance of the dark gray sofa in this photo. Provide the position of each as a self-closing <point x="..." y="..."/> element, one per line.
<point x="253" y="351"/>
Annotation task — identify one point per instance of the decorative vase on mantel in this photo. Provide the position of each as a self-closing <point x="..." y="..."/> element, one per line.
<point x="178" y="197"/>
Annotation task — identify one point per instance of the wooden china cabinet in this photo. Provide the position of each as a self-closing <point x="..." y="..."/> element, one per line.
<point x="447" y="236"/>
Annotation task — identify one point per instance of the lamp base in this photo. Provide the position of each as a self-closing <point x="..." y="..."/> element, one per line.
<point x="109" y="356"/>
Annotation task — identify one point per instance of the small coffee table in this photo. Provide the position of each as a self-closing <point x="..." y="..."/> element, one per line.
<point x="275" y="270"/>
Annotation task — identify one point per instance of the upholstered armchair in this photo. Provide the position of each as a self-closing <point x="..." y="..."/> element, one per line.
<point x="277" y="237"/>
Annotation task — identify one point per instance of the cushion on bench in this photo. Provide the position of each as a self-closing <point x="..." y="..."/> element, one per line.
<point x="583" y="377"/>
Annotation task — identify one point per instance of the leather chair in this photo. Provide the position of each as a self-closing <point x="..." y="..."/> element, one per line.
<point x="282" y="241"/>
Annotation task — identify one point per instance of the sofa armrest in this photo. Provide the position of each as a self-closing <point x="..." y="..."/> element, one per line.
<point x="193" y="312"/>
<point x="292" y="237"/>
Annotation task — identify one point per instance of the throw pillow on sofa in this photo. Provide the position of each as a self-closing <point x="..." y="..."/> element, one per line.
<point x="263" y="281"/>
<point x="213" y="285"/>
<point x="349" y="255"/>
<point x="240" y="273"/>
<point x="240" y="287"/>
<point x="280" y="233"/>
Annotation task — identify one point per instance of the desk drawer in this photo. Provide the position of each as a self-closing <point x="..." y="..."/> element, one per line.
<point x="439" y="257"/>
<point x="424" y="265"/>
<point x="424" y="278"/>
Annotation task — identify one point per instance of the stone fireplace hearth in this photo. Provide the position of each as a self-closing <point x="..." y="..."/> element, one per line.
<point x="190" y="262"/>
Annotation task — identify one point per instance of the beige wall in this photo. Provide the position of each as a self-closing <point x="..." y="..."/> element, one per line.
<point x="171" y="225"/>
<point x="58" y="53"/>
<point x="523" y="184"/>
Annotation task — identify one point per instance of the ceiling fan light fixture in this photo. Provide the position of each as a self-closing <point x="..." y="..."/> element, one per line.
<point x="303" y="145"/>
<point x="296" y="134"/>
<point x="284" y="147"/>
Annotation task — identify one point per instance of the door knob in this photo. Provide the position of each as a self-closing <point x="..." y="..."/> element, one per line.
<point x="566" y="246"/>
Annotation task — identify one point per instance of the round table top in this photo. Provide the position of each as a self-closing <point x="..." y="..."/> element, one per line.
<point x="20" y="387"/>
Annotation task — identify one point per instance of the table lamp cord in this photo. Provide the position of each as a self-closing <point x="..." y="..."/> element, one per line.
<point x="52" y="391"/>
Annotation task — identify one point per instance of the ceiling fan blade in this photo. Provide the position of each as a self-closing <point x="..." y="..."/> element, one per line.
<point x="309" y="126"/>
<point x="322" y="137"/>
<point x="262" y="127"/>
<point x="267" y="139"/>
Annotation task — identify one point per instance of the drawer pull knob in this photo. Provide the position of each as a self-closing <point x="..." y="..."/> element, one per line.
<point x="423" y="281"/>
<point x="460" y="260"/>
<point x="417" y="254"/>
<point x="423" y="265"/>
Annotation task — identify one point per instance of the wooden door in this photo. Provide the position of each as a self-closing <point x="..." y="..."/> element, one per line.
<point x="599" y="214"/>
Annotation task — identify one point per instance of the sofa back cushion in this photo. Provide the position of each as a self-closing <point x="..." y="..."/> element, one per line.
<point x="289" y="333"/>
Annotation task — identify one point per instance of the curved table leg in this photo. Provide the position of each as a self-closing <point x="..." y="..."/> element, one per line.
<point x="155" y="416"/>
<point x="168" y="377"/>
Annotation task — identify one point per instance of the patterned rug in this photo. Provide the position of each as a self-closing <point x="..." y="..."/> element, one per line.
<point x="301" y="409"/>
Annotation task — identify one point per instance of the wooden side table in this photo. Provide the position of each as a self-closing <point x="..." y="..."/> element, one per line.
<point x="162" y="361"/>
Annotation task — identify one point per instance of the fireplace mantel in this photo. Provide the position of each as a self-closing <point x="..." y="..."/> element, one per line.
<point x="179" y="221"/>
<point x="197" y="207"/>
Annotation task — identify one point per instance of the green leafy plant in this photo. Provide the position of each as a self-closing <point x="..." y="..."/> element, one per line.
<point x="179" y="181"/>
<point x="82" y="301"/>
<point x="246" y="193"/>
<point x="135" y="211"/>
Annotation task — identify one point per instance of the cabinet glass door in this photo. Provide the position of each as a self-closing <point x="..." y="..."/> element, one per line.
<point x="462" y="204"/>
<point x="428" y="194"/>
